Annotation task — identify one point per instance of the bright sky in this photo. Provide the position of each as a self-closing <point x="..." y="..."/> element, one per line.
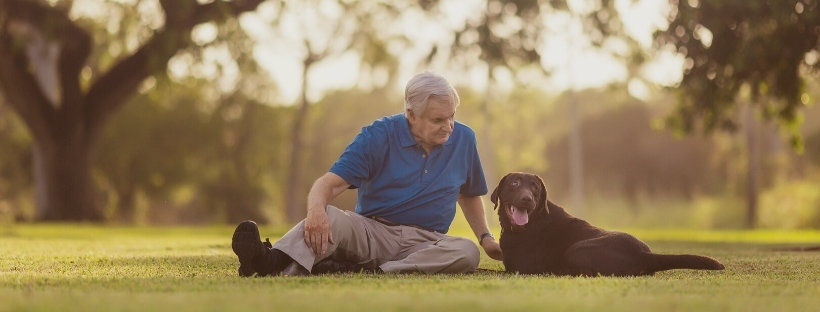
<point x="573" y="63"/>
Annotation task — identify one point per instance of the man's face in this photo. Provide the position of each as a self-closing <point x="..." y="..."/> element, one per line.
<point x="434" y="126"/>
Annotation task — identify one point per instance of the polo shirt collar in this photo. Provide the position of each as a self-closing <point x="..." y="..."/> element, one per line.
<point x="406" y="137"/>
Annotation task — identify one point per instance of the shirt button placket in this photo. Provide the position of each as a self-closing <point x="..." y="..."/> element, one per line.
<point x="424" y="155"/>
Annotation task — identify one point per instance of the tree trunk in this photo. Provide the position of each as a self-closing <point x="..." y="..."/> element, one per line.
<point x="127" y="206"/>
<point x="486" y="141"/>
<point x="245" y="196"/>
<point x="576" y="157"/>
<point x="64" y="188"/>
<point x="295" y="208"/>
<point x="753" y="166"/>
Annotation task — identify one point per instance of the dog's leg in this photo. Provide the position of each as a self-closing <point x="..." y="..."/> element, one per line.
<point x="610" y="255"/>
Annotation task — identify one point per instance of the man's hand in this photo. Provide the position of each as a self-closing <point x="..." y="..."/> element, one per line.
<point x="317" y="225"/>
<point x="317" y="231"/>
<point x="492" y="248"/>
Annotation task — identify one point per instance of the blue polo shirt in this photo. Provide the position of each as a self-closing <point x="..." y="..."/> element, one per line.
<point x="398" y="181"/>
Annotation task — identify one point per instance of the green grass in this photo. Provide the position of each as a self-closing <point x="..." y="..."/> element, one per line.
<point x="98" y="268"/>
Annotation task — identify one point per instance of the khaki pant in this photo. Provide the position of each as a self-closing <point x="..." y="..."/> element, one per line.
<point x="396" y="248"/>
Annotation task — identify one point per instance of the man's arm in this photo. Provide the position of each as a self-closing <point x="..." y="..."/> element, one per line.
<point x="317" y="226"/>
<point x="473" y="209"/>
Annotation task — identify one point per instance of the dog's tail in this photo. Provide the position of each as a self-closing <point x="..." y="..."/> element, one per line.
<point x="659" y="262"/>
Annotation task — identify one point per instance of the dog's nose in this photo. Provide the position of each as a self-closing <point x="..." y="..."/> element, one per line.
<point x="527" y="199"/>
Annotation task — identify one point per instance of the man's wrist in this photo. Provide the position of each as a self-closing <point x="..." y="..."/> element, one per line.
<point x="483" y="236"/>
<point x="314" y="208"/>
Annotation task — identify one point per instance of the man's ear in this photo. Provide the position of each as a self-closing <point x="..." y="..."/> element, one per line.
<point x="408" y="113"/>
<point x="494" y="196"/>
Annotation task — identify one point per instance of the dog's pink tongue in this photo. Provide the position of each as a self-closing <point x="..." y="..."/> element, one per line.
<point x="519" y="216"/>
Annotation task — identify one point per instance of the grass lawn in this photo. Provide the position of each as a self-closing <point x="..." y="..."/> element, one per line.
<point x="99" y="268"/>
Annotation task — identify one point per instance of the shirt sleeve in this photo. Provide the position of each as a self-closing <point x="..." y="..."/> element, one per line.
<point x="359" y="160"/>
<point x="475" y="185"/>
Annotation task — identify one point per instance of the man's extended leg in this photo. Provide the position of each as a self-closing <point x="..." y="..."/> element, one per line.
<point x="366" y="242"/>
<point x="447" y="254"/>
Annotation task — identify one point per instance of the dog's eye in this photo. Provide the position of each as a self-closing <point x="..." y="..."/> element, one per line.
<point x="515" y="183"/>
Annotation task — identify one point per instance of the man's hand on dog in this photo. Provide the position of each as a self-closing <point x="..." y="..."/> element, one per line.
<point x="493" y="249"/>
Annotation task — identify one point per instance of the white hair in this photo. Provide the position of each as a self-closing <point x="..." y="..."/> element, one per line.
<point x="424" y="86"/>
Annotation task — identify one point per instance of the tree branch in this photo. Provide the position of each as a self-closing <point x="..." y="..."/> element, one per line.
<point x="114" y="87"/>
<point x="74" y="44"/>
<point x="19" y="86"/>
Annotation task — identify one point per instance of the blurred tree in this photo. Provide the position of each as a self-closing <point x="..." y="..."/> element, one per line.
<point x="322" y="29"/>
<point x="325" y="29"/>
<point x="206" y="135"/>
<point x="44" y="77"/>
<point x="335" y="120"/>
<point x="729" y="45"/>
<point x="15" y="162"/>
<point x="155" y="147"/>
<point x="509" y="35"/>
<point x="635" y="160"/>
<point x="246" y="161"/>
<point x="250" y="156"/>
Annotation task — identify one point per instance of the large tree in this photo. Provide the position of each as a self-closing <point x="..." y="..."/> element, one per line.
<point x="735" y="45"/>
<point x="43" y="57"/>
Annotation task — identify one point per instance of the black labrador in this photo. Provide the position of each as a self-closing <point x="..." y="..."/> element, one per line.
<point x="538" y="236"/>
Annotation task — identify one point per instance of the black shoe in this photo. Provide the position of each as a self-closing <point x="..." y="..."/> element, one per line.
<point x="336" y="266"/>
<point x="248" y="246"/>
<point x="272" y="261"/>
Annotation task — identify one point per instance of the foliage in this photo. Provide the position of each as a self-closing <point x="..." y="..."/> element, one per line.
<point x="189" y="142"/>
<point x="45" y="78"/>
<point x="718" y="212"/>
<point x="336" y="120"/>
<point x="15" y="165"/>
<point x="729" y="45"/>
<point x="791" y="205"/>
<point x="625" y="156"/>
<point x="507" y="34"/>
<point x="153" y="148"/>
<point x="206" y="140"/>
<point x="182" y="269"/>
<point x="224" y="156"/>
<point x="515" y="115"/>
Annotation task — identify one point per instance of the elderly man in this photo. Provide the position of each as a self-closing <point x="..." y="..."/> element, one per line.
<point x="410" y="170"/>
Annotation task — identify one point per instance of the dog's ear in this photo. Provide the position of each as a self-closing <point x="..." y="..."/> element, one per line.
<point x="543" y="198"/>
<point x="494" y="196"/>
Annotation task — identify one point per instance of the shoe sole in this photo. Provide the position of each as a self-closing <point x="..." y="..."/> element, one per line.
<point x="246" y="244"/>
<point x="295" y="269"/>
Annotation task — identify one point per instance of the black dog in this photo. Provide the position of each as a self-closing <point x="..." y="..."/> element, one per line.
<point x="538" y="236"/>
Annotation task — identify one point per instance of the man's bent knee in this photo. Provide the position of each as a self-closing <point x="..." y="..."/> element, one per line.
<point x="337" y="217"/>
<point x="467" y="255"/>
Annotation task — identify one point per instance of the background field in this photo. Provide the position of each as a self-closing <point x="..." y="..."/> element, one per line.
<point x="99" y="268"/>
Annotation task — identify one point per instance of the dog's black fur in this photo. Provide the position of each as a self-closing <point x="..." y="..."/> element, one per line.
<point x="552" y="241"/>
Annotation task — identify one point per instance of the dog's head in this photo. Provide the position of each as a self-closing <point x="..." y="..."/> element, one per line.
<point x="519" y="195"/>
